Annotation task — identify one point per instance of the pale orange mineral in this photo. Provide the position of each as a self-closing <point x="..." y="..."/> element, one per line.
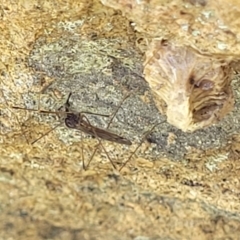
<point x="189" y="63"/>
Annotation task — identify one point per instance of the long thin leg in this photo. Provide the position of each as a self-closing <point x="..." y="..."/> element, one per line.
<point x="14" y="116"/>
<point x="42" y="111"/>
<point x="46" y="133"/>
<point x="141" y="142"/>
<point x="115" y="113"/>
<point x="100" y="142"/>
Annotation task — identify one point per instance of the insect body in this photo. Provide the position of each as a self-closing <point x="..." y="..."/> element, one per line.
<point x="77" y="121"/>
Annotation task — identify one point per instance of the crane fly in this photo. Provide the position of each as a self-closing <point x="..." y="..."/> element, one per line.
<point x="78" y="121"/>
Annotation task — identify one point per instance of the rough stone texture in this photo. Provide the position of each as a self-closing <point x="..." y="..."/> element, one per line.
<point x="176" y="186"/>
<point x="212" y="27"/>
<point x="203" y="46"/>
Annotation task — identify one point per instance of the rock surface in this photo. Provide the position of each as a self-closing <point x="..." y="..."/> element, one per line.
<point x="177" y="185"/>
<point x="190" y="77"/>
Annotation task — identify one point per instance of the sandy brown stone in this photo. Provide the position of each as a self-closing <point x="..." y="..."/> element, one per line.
<point x="203" y="40"/>
<point x="176" y="186"/>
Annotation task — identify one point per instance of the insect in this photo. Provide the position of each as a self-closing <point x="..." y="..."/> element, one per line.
<point x="79" y="121"/>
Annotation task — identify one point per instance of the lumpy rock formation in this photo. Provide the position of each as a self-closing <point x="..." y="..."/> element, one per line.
<point x="189" y="62"/>
<point x="195" y="89"/>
